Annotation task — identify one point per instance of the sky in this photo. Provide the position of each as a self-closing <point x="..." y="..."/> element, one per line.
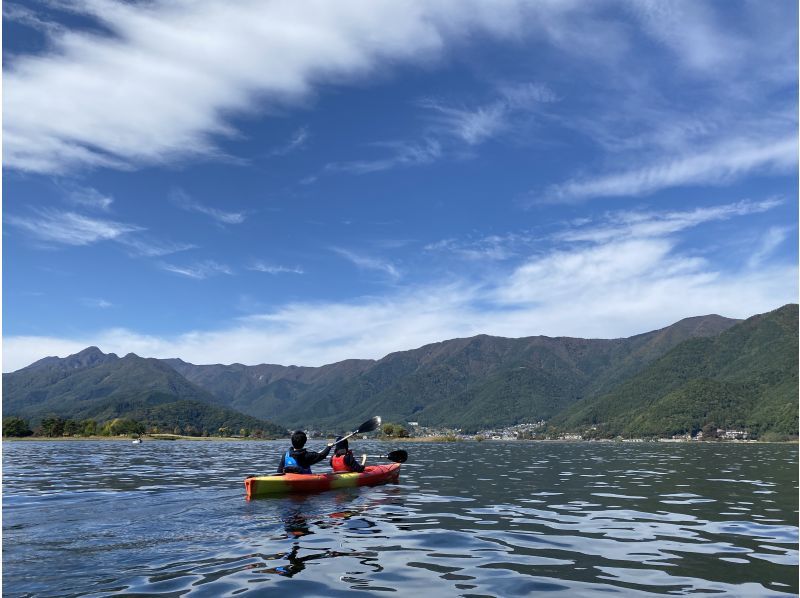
<point x="306" y="182"/>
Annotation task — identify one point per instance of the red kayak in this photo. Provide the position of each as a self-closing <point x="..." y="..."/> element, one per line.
<point x="290" y="483"/>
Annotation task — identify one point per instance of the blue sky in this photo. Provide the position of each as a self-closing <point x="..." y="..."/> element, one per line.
<point x="301" y="183"/>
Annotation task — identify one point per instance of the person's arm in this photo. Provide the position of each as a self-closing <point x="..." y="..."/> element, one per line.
<point x="311" y="457"/>
<point x="351" y="462"/>
<point x="281" y="464"/>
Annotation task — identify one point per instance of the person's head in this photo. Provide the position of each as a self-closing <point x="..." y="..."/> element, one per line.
<point x="341" y="444"/>
<point x="299" y="439"/>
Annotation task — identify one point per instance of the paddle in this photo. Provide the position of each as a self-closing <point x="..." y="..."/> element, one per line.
<point x="370" y="425"/>
<point x="397" y="456"/>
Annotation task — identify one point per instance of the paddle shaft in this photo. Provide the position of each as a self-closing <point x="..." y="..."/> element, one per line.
<point x="368" y="426"/>
<point x="346" y="437"/>
<point x="399" y="456"/>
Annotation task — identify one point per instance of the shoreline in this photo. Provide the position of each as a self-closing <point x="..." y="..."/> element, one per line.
<point x="145" y="438"/>
<point x="172" y="437"/>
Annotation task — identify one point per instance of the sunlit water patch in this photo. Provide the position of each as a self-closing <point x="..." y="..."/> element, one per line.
<point x="471" y="519"/>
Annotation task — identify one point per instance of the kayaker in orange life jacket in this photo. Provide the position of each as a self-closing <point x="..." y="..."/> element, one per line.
<point x="343" y="459"/>
<point x="298" y="459"/>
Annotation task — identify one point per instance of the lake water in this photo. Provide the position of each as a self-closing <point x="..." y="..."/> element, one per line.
<point x="466" y="519"/>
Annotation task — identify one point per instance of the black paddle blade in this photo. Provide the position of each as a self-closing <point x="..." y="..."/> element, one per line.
<point x="398" y="456"/>
<point x="370" y="425"/>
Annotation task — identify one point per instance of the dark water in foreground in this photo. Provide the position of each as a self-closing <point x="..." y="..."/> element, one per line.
<point x="489" y="519"/>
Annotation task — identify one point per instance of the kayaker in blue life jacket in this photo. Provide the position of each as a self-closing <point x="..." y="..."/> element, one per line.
<point x="298" y="459"/>
<point x="343" y="459"/>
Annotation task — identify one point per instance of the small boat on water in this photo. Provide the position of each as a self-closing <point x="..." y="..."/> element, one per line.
<point x="137" y="441"/>
<point x="291" y="483"/>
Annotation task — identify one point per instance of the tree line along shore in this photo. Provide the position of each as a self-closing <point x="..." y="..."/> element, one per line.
<point x="57" y="428"/>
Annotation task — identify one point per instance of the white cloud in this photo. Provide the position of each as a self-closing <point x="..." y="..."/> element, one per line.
<point x="297" y="141"/>
<point x="19" y="14"/>
<point x="491" y="247"/>
<point x="471" y="125"/>
<point x="639" y="224"/>
<point x="69" y="228"/>
<point x="180" y="70"/>
<point x="577" y="274"/>
<point x="451" y="127"/>
<point x="770" y="241"/>
<point x="526" y="96"/>
<point x="690" y="30"/>
<point x="366" y="262"/>
<point x="142" y="245"/>
<point x="402" y="154"/>
<point x="602" y="286"/>
<point x="21" y="351"/>
<point x="90" y="198"/>
<point x="716" y="166"/>
<point x="476" y="124"/>
<point x="272" y="269"/>
<point x="96" y="303"/>
<point x="313" y="334"/>
<point x="182" y="199"/>
<point x="198" y="270"/>
<point x="52" y="227"/>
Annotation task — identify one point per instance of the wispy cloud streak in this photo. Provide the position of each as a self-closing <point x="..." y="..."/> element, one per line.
<point x="199" y="270"/>
<point x="719" y="165"/>
<point x="475" y="125"/>
<point x="69" y="228"/>
<point x="366" y="262"/>
<point x="144" y="245"/>
<point x="403" y="154"/>
<point x="646" y="224"/>
<point x="90" y="198"/>
<point x="96" y="303"/>
<point x="297" y="141"/>
<point x="182" y="199"/>
<point x="770" y="241"/>
<point x="272" y="269"/>
<point x="491" y="247"/>
<point x="53" y="227"/>
<point x="19" y="14"/>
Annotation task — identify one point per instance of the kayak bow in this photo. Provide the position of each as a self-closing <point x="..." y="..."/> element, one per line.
<point x="290" y="483"/>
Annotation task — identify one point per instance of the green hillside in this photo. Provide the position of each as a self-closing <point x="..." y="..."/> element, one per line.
<point x="266" y="390"/>
<point x="470" y="382"/>
<point x="696" y="372"/>
<point x="90" y="385"/>
<point x="747" y="377"/>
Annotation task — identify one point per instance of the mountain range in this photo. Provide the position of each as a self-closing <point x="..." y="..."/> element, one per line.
<point x="103" y="387"/>
<point x="698" y="371"/>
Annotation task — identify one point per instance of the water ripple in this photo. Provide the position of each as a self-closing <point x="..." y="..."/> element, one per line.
<point x="580" y="519"/>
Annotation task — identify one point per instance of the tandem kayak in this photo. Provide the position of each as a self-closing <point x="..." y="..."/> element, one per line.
<point x="290" y="483"/>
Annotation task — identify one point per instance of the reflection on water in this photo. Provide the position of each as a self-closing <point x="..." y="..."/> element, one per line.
<point x="496" y="519"/>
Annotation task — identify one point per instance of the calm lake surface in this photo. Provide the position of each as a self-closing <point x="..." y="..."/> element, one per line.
<point x="466" y="519"/>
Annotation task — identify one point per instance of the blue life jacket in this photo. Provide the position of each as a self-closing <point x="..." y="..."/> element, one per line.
<point x="291" y="462"/>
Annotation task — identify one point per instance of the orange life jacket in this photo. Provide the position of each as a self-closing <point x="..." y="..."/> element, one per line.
<point x="337" y="462"/>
